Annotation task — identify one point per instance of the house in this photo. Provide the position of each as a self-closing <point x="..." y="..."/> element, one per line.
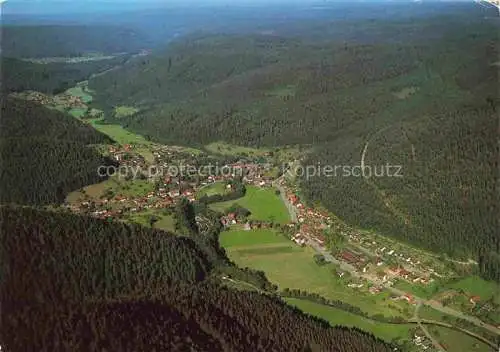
<point x="174" y="193"/>
<point x="293" y="199"/>
<point x="407" y="297"/>
<point x="404" y="273"/>
<point x="475" y="299"/>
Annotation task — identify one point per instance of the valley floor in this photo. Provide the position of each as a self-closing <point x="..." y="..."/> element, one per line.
<point x="291" y="242"/>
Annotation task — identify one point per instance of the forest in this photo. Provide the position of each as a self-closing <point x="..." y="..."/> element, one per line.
<point x="43" y="41"/>
<point x="424" y="98"/>
<point x="50" y="78"/>
<point x="45" y="154"/>
<point x="85" y="280"/>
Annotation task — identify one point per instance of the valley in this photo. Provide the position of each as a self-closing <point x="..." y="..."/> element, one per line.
<point x="370" y="275"/>
<point x="320" y="182"/>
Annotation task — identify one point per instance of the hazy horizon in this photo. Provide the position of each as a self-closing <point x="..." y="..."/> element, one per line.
<point x="48" y="7"/>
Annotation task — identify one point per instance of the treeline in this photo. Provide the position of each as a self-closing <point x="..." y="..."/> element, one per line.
<point x="45" y="154"/>
<point x="50" y="78"/>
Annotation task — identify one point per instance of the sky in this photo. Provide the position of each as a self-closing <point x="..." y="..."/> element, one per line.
<point x="89" y="6"/>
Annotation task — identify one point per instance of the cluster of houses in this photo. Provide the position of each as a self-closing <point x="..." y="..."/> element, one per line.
<point x="300" y="239"/>
<point x="311" y="222"/>
<point x="406" y="297"/>
<point x="64" y="100"/>
<point x="126" y="156"/>
<point x="411" y="269"/>
<point x="423" y="342"/>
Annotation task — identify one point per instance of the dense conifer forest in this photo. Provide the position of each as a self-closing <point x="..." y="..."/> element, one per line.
<point x="92" y="284"/>
<point x="45" y="154"/>
<point x="50" y="78"/>
<point x="43" y="41"/>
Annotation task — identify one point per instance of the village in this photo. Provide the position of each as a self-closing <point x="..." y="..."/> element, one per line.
<point x="378" y="265"/>
<point x="174" y="175"/>
<point x="374" y="265"/>
<point x="170" y="181"/>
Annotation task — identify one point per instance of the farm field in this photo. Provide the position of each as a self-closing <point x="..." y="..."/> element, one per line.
<point x="237" y="238"/>
<point x="263" y="203"/>
<point x="335" y="316"/>
<point x="293" y="267"/>
<point x="456" y="341"/>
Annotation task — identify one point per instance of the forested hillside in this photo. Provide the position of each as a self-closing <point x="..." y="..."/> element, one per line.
<point x="39" y="41"/>
<point x="420" y="93"/>
<point x="45" y="154"/>
<point x="50" y="78"/>
<point x="84" y="284"/>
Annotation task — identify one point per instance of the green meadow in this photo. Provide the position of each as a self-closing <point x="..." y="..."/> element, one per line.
<point x="291" y="266"/>
<point x="335" y="316"/>
<point x="263" y="203"/>
<point x="213" y="189"/>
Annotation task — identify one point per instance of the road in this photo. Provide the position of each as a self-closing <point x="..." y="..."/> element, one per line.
<point x="289" y="206"/>
<point x="430" y="303"/>
<point x="426" y="332"/>
<point x="352" y="270"/>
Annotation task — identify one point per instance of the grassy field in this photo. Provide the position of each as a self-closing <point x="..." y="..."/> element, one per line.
<point x="115" y="132"/>
<point x="475" y="286"/>
<point x="456" y="341"/>
<point x="426" y="312"/>
<point x="213" y="189"/>
<point x="124" y="111"/>
<point x="282" y="91"/>
<point x="334" y="316"/>
<point x="229" y="149"/>
<point x="237" y="237"/>
<point x="78" y="112"/>
<point x="291" y="266"/>
<point x="165" y="222"/>
<point x="92" y="192"/>
<point x="422" y="291"/>
<point x="263" y="203"/>
<point x="78" y="91"/>
<point x="122" y="136"/>
<point x="133" y="188"/>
